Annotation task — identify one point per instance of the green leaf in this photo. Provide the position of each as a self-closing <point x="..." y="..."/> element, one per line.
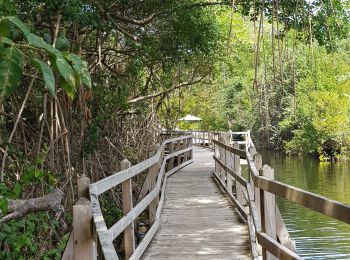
<point x="81" y="69"/>
<point x="66" y="72"/>
<point x="62" y="44"/>
<point x="68" y="89"/>
<point x="38" y="42"/>
<point x="7" y="40"/>
<point x="11" y="66"/>
<point x="19" y="24"/>
<point x="4" y="28"/>
<point x="48" y="76"/>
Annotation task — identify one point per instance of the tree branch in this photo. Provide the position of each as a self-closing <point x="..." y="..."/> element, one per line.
<point x="181" y="85"/>
<point x="134" y="21"/>
<point x="20" y="208"/>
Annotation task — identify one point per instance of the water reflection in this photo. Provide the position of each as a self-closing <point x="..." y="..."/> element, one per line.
<point x="316" y="236"/>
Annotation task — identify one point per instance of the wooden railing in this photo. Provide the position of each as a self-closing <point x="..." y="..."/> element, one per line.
<point x="254" y="197"/>
<point x="172" y="155"/>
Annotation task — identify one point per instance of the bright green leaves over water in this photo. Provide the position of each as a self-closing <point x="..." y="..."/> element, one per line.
<point x="11" y="66"/>
<point x="72" y="69"/>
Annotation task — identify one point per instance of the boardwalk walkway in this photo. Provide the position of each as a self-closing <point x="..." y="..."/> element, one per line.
<point x="198" y="221"/>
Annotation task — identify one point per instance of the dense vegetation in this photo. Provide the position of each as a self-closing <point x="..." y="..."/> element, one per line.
<point x="84" y="84"/>
<point x="291" y="89"/>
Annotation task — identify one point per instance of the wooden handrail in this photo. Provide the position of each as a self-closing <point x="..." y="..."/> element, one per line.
<point x="104" y="237"/>
<point x="262" y="185"/>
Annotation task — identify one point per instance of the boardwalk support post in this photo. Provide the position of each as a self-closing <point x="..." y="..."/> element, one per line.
<point x="129" y="234"/>
<point x="153" y="173"/>
<point x="82" y="222"/>
<point x="237" y="170"/>
<point x="268" y="211"/>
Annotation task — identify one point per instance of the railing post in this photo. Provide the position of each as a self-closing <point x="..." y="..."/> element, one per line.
<point x="268" y="211"/>
<point x="154" y="171"/>
<point x="191" y="152"/>
<point x="222" y="159"/>
<point x="237" y="170"/>
<point x="82" y="222"/>
<point x="229" y="161"/>
<point x="129" y="234"/>
<point x="171" y="160"/>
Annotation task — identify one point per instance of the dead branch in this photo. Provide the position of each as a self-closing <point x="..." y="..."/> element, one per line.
<point x="19" y="208"/>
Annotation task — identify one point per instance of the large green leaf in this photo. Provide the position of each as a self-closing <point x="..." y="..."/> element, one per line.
<point x="48" y="76"/>
<point x="38" y="42"/>
<point x="66" y="72"/>
<point x="81" y="69"/>
<point x="19" y="24"/>
<point x="68" y="89"/>
<point x="11" y="67"/>
<point x="62" y="44"/>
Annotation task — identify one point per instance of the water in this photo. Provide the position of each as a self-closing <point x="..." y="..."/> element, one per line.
<point x="316" y="236"/>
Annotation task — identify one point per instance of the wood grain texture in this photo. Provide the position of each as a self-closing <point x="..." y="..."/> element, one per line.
<point x="198" y="221"/>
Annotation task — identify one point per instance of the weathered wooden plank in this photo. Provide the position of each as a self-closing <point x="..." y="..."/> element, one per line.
<point x="68" y="253"/>
<point x="234" y="150"/>
<point x="237" y="170"/>
<point x="268" y="212"/>
<point x="307" y="199"/>
<point x="208" y="221"/>
<point x="239" y="207"/>
<point x="253" y="209"/>
<point x="125" y="221"/>
<point x="82" y="230"/>
<point x="117" y="178"/>
<point x="129" y="235"/>
<point x="278" y="250"/>
<point x="282" y="232"/>
<point x="237" y="177"/>
<point x="252" y="238"/>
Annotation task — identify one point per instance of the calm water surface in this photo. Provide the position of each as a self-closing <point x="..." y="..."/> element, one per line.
<point x="316" y="236"/>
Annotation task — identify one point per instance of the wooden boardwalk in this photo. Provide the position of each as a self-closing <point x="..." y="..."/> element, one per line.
<point x="198" y="221"/>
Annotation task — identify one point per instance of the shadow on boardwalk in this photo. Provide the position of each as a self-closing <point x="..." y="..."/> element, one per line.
<point x="198" y="221"/>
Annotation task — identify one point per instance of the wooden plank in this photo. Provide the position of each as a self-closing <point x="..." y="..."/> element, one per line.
<point x="126" y="220"/>
<point x="83" y="187"/>
<point x="268" y="211"/>
<point x="82" y="230"/>
<point x="68" y="253"/>
<point x="326" y="206"/>
<point x="252" y="238"/>
<point x="229" y="161"/>
<point x="104" y="237"/>
<point x="208" y="227"/>
<point x="237" y="177"/>
<point x="117" y="178"/>
<point x="278" y="250"/>
<point x="237" y="170"/>
<point x="282" y="232"/>
<point x="146" y="187"/>
<point x="129" y="235"/>
<point x="239" y="207"/>
<point x="234" y="150"/>
<point x="253" y="209"/>
<point x="153" y="172"/>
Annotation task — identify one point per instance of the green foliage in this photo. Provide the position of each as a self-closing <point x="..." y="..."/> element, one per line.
<point x="12" y="60"/>
<point x="11" y="66"/>
<point x="48" y="76"/>
<point x="26" y="238"/>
